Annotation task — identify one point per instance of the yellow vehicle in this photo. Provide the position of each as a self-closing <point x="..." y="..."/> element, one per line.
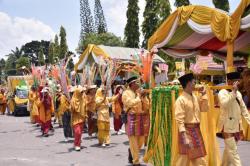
<point x="18" y="87"/>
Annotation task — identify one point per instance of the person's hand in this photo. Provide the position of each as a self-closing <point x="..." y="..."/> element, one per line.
<point x="187" y="141"/>
<point x="202" y="90"/>
<point x="138" y="93"/>
<point x="235" y="86"/>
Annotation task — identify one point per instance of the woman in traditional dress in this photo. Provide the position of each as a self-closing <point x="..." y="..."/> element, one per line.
<point x="64" y="112"/>
<point x="46" y="108"/>
<point x="32" y="98"/>
<point x="103" y="121"/>
<point x="77" y="108"/>
<point x="3" y="102"/>
<point x="91" y="109"/>
<point x="117" y="108"/>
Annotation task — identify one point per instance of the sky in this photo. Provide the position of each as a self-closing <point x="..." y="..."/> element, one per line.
<point x="22" y="21"/>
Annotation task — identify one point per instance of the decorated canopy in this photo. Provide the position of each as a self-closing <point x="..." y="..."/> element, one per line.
<point x="92" y="52"/>
<point x="193" y="29"/>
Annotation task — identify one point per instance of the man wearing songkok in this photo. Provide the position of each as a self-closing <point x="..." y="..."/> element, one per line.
<point x="230" y="121"/>
<point x="187" y="116"/>
<point x="131" y="99"/>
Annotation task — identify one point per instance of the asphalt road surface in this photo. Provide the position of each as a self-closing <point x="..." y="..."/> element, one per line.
<point x="21" y="144"/>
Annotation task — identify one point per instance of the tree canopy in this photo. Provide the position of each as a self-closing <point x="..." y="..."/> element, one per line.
<point x="108" y="39"/>
<point x="100" y="22"/>
<point x="132" y="34"/>
<point x="222" y="4"/>
<point x="179" y="3"/>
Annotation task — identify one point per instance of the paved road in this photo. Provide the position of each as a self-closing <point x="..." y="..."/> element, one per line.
<point x="21" y="144"/>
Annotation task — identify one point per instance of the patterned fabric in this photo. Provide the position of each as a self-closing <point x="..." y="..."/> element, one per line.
<point x="135" y="125"/>
<point x="198" y="149"/>
<point x="237" y="136"/>
<point x="146" y="125"/>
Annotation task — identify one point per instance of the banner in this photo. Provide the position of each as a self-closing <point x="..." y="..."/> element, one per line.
<point x="163" y="67"/>
<point x="63" y="77"/>
<point x="160" y="78"/>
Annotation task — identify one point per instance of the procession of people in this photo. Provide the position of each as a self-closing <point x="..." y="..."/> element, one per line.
<point x="88" y="109"/>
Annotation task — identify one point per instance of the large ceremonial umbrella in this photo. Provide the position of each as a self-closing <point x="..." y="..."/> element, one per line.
<point x="191" y="30"/>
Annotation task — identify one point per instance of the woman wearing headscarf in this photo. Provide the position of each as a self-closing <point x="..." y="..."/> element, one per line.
<point x="63" y="106"/>
<point x="77" y="107"/>
<point x="32" y="98"/>
<point x="46" y="108"/>
<point x="35" y="109"/>
<point x="3" y="102"/>
<point x="117" y="107"/>
<point x="103" y="120"/>
<point x="58" y="114"/>
<point x="91" y="109"/>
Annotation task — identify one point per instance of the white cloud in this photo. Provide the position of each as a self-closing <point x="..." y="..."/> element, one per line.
<point x="15" y="32"/>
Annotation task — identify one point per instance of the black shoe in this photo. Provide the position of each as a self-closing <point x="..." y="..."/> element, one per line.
<point x="46" y="135"/>
<point x="130" y="158"/>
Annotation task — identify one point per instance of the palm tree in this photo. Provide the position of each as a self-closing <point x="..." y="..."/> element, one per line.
<point x="17" y="53"/>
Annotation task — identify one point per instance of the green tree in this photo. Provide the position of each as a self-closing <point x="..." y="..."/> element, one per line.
<point x="51" y="52"/>
<point x="2" y="71"/>
<point x="164" y="10"/>
<point x="179" y="3"/>
<point x="151" y="20"/>
<point x="222" y="4"/>
<point x="10" y="65"/>
<point x="86" y="19"/>
<point x="154" y="14"/>
<point x="56" y="47"/>
<point x="31" y="50"/>
<point x="63" y="43"/>
<point x="132" y="34"/>
<point x="17" y="52"/>
<point x="100" y="22"/>
<point x="22" y="61"/>
<point x="247" y="11"/>
<point x="107" y="39"/>
<point x="41" y="60"/>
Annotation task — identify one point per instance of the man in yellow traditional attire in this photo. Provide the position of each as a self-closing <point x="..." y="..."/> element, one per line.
<point x="187" y="115"/>
<point x="32" y="98"/>
<point x="78" y="111"/>
<point x="230" y="120"/>
<point x="91" y="109"/>
<point x="3" y="102"/>
<point x="131" y="99"/>
<point x="103" y="121"/>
